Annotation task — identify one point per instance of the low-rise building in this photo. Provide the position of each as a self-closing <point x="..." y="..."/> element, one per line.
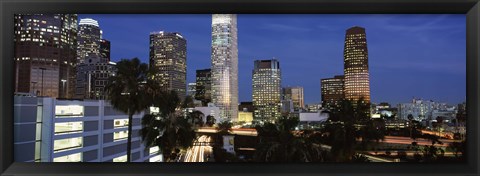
<point x="52" y="130"/>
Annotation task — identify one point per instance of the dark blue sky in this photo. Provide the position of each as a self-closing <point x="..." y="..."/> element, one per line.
<point x="409" y="55"/>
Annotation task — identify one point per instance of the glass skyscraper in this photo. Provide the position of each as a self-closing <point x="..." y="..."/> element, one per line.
<point x="267" y="90"/>
<point x="45" y="54"/>
<point x="168" y="53"/>
<point x="357" y="79"/>
<point x="225" y="65"/>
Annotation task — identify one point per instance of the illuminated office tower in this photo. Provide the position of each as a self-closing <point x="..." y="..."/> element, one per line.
<point x="225" y="65"/>
<point x="94" y="67"/>
<point x="89" y="39"/>
<point x="357" y="81"/>
<point x="168" y="54"/>
<point x="45" y="54"/>
<point x="203" y="86"/>
<point x="266" y="90"/>
<point x="295" y="94"/>
<point x="332" y="90"/>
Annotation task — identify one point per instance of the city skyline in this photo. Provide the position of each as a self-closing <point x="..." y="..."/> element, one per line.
<point x="427" y="35"/>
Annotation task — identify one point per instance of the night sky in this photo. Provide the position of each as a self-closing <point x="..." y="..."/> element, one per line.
<point x="410" y="56"/>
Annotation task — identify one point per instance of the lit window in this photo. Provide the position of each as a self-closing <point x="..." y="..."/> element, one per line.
<point x="118" y="123"/>
<point x="67" y="144"/>
<point x="68" y="127"/>
<point x="154" y="150"/>
<point x="120" y="159"/>
<point x="120" y="135"/>
<point x="69" y="111"/>
<point x="77" y="157"/>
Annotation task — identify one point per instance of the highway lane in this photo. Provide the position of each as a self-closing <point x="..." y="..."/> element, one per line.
<point x="198" y="153"/>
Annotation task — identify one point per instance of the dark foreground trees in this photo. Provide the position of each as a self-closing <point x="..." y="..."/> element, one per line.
<point x="130" y="91"/>
<point x="168" y="129"/>
<point x="278" y="143"/>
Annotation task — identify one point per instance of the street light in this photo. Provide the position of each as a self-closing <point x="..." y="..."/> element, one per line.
<point x="63" y="87"/>
<point x="33" y="87"/>
<point x="41" y="68"/>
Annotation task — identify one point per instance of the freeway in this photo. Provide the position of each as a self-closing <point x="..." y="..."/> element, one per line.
<point x="420" y="141"/>
<point x="239" y="131"/>
<point x="199" y="153"/>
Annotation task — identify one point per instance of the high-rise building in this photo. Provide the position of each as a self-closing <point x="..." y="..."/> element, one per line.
<point x="357" y="79"/>
<point x="168" y="54"/>
<point x="89" y="39"/>
<point x="94" y="67"/>
<point x="45" y="54"/>
<point x="296" y="95"/>
<point x="332" y="91"/>
<point x="105" y="49"/>
<point x="225" y="65"/>
<point x="204" y="86"/>
<point x="266" y="90"/>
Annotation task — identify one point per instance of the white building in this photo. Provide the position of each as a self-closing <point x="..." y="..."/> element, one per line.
<point x="51" y="130"/>
<point x="312" y="119"/>
<point x="210" y="109"/>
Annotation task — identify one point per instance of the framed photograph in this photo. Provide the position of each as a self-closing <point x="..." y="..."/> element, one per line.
<point x="323" y="87"/>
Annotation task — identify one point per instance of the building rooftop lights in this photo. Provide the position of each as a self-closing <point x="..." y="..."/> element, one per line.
<point x="89" y="21"/>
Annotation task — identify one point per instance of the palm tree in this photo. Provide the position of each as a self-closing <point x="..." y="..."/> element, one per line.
<point x="210" y="120"/>
<point x="168" y="129"/>
<point x="224" y="127"/>
<point x="130" y="91"/>
<point x="279" y="144"/>
<point x="196" y="118"/>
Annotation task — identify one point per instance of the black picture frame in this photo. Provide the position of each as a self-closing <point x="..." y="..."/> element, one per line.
<point x="471" y="8"/>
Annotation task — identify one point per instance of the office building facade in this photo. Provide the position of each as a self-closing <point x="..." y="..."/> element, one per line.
<point x="45" y="54"/>
<point x="356" y="70"/>
<point x="266" y="80"/>
<point x="94" y="67"/>
<point x="168" y="54"/>
<point x="296" y="95"/>
<point x="52" y="130"/>
<point x="224" y="67"/>
<point x="332" y="91"/>
<point x="89" y="39"/>
<point x="92" y="78"/>
<point x="203" y="86"/>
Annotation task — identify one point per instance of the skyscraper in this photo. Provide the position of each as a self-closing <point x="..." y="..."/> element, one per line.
<point x="203" y="86"/>
<point x="168" y="54"/>
<point x="89" y="39"/>
<point x="357" y="79"/>
<point x="94" y="67"/>
<point x="266" y="90"/>
<point x="45" y="54"/>
<point x="225" y="65"/>
<point x="332" y="90"/>
<point x="296" y="95"/>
